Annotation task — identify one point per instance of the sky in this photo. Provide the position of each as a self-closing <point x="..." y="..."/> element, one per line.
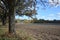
<point x="49" y="13"/>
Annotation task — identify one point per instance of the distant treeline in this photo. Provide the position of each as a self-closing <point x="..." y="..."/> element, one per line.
<point x="46" y="21"/>
<point x="37" y="21"/>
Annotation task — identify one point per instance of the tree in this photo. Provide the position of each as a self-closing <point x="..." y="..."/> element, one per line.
<point x="22" y="7"/>
<point x="2" y="14"/>
<point x="10" y="7"/>
<point x="55" y="3"/>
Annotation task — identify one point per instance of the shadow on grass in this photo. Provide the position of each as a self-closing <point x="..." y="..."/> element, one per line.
<point x="1" y="25"/>
<point x="4" y="35"/>
<point x="8" y="36"/>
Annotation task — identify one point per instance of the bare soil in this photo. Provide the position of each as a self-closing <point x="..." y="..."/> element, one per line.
<point x="41" y="31"/>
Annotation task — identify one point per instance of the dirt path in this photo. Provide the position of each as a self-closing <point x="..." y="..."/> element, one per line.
<point x="41" y="31"/>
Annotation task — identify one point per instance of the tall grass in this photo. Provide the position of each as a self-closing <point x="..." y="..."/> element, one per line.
<point x="21" y="35"/>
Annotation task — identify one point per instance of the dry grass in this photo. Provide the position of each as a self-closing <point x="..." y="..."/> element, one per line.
<point x="24" y="35"/>
<point x="32" y="32"/>
<point x="20" y="35"/>
<point x="41" y="32"/>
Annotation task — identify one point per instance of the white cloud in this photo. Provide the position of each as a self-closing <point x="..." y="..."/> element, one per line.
<point x="48" y="17"/>
<point x="51" y="15"/>
<point x="58" y="14"/>
<point x="55" y="3"/>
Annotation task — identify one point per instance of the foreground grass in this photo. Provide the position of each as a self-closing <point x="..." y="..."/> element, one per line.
<point x="24" y="35"/>
<point x="4" y="35"/>
<point x="20" y="35"/>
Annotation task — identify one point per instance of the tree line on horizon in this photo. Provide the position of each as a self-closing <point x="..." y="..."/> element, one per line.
<point x="36" y="21"/>
<point x="46" y="21"/>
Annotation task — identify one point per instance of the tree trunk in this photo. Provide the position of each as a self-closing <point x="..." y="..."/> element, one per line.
<point x="11" y="17"/>
<point x="11" y="20"/>
<point x="4" y="19"/>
